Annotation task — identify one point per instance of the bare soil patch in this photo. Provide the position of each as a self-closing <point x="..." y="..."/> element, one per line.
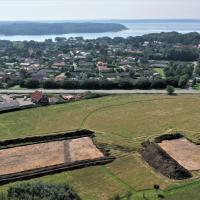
<point x="156" y="157"/>
<point x="35" y="156"/>
<point x="186" y="153"/>
<point x="83" y="149"/>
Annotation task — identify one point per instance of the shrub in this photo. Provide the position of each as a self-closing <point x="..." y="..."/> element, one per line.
<point x="157" y="187"/>
<point x="170" y="90"/>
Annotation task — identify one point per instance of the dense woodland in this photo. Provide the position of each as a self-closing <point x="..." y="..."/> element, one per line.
<point x="28" y="28"/>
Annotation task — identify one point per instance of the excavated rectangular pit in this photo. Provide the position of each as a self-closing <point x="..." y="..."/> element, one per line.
<point x="186" y="153"/>
<point x="24" y="158"/>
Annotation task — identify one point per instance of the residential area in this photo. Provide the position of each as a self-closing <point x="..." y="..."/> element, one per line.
<point x="13" y="102"/>
<point x="134" y="62"/>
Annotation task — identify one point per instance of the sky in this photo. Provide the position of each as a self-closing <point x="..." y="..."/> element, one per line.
<point x="98" y="9"/>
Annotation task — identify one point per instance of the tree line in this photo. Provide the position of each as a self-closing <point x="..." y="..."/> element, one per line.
<point x="41" y="191"/>
<point x="141" y="83"/>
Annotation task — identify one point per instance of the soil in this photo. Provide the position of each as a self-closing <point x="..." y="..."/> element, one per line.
<point x="186" y="153"/>
<point x="35" y="156"/>
<point x="156" y="157"/>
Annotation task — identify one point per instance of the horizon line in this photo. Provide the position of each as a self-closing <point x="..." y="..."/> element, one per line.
<point x="128" y="19"/>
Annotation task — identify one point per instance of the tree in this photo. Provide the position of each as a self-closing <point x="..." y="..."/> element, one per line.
<point x="158" y="84"/>
<point x="50" y="84"/>
<point x="89" y="84"/>
<point x="170" y="90"/>
<point x="126" y="84"/>
<point x="172" y="81"/>
<point x="70" y="84"/>
<point x="183" y="81"/>
<point x="132" y="73"/>
<point x="31" y="83"/>
<point x="143" y="84"/>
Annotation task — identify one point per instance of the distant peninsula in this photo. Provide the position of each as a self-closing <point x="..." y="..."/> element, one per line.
<point x="37" y="28"/>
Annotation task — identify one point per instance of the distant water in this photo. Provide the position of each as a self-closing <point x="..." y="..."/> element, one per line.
<point x="135" y="28"/>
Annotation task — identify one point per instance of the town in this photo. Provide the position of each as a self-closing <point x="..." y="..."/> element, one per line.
<point x="146" y="62"/>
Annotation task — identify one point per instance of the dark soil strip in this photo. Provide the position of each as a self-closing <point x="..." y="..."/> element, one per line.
<point x="4" y="179"/>
<point x="66" y="152"/>
<point x="45" y="138"/>
<point x="162" y="162"/>
<point x="173" y="136"/>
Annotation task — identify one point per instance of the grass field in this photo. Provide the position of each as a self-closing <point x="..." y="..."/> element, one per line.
<point x="121" y="122"/>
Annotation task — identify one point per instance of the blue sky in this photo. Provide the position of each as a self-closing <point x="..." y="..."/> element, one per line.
<point x="98" y="9"/>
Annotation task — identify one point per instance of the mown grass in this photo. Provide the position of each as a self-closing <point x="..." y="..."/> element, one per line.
<point x="121" y="122"/>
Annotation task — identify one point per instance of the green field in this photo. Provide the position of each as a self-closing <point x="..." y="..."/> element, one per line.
<point x="121" y="122"/>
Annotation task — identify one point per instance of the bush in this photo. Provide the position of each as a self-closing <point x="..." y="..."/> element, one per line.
<point x="170" y="90"/>
<point x="157" y="187"/>
<point x="41" y="191"/>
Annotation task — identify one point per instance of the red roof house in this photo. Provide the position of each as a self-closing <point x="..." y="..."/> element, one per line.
<point x="39" y="97"/>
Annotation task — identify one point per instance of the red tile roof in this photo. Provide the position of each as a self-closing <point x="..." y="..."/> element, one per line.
<point x="36" y="96"/>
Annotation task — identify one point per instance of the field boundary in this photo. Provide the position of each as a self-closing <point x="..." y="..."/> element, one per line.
<point x="4" y="179"/>
<point x="5" y="144"/>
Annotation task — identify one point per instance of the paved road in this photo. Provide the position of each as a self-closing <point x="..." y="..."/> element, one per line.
<point x="26" y="91"/>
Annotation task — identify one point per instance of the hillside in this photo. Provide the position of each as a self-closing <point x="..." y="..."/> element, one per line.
<point x="33" y="28"/>
<point x="121" y="123"/>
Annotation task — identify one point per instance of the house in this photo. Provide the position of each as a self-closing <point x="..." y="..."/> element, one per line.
<point x="58" y="65"/>
<point x="2" y="76"/>
<point x="71" y="97"/>
<point x="38" y="97"/>
<point x="8" y="104"/>
<point x="25" y="64"/>
<point x="103" y="67"/>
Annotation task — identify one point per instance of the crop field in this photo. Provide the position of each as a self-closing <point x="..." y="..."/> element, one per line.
<point x="121" y="123"/>
<point x="184" y="152"/>
<point x="35" y="156"/>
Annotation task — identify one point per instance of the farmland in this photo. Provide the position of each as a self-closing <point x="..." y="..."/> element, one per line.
<point x="121" y="123"/>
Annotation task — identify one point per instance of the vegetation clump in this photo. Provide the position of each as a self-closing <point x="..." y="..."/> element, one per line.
<point x="41" y="191"/>
<point x="170" y="89"/>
